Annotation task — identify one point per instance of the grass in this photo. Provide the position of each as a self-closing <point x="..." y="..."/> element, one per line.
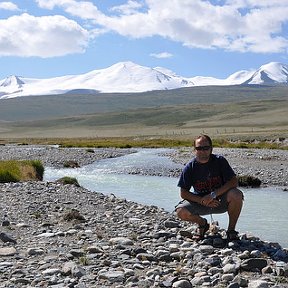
<point x="248" y="181"/>
<point x="68" y="180"/>
<point x="149" y="142"/>
<point x="15" y="171"/>
<point x="232" y="113"/>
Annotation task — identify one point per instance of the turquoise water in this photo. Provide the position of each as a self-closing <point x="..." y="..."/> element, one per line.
<point x="264" y="212"/>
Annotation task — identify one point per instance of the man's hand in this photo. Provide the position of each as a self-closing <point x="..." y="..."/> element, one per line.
<point x="208" y="201"/>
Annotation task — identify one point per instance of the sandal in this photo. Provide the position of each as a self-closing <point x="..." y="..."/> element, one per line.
<point x="232" y="235"/>
<point x="202" y="230"/>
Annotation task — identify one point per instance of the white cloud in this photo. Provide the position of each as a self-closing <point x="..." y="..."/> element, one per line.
<point x="203" y="25"/>
<point x="8" y="6"/>
<point x="235" y="25"/>
<point x="127" y="9"/>
<point x="47" y="36"/>
<point x="256" y="3"/>
<point x="161" y="55"/>
<point x="81" y="9"/>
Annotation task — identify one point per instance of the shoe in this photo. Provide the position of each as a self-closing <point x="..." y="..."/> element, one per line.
<point x="202" y="230"/>
<point x="232" y="235"/>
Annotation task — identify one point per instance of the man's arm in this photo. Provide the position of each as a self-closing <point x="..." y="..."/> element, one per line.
<point x="187" y="195"/>
<point x="232" y="183"/>
<point x="208" y="200"/>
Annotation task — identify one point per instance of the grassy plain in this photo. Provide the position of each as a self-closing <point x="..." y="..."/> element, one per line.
<point x="232" y="112"/>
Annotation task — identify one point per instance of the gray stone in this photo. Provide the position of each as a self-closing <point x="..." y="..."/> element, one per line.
<point x="4" y="237"/>
<point x="7" y="251"/>
<point x="258" y="284"/>
<point x="227" y="277"/>
<point x="254" y="264"/>
<point x="35" y="251"/>
<point x="67" y="267"/>
<point x="112" y="275"/>
<point x="51" y="271"/>
<point x="233" y="285"/>
<point x="121" y="241"/>
<point x="229" y="268"/>
<point x="182" y="284"/>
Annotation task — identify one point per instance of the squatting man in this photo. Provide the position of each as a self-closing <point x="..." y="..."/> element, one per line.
<point x="214" y="189"/>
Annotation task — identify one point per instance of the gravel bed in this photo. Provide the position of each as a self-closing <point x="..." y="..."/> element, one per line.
<point x="55" y="235"/>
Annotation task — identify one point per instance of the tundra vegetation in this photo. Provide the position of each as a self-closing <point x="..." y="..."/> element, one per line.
<point x="244" y="116"/>
<point x="20" y="170"/>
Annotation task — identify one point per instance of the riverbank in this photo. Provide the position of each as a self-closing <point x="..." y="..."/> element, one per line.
<point x="270" y="166"/>
<point x="67" y="236"/>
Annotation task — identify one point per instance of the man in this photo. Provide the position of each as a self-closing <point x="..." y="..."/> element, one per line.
<point x="215" y="189"/>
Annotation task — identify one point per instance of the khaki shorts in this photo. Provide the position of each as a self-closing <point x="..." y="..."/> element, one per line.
<point x="198" y="209"/>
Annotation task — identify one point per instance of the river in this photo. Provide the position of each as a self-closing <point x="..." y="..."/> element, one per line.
<point x="264" y="211"/>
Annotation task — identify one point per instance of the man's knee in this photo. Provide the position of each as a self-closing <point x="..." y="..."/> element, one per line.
<point x="182" y="213"/>
<point x="235" y="195"/>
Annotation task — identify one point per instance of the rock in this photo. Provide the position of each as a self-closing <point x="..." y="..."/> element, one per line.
<point x="112" y="275"/>
<point x="182" y="284"/>
<point x="6" y="238"/>
<point x="51" y="271"/>
<point x="254" y="264"/>
<point x="258" y="284"/>
<point x="233" y="285"/>
<point x="121" y="240"/>
<point x="7" y="251"/>
<point x="35" y="251"/>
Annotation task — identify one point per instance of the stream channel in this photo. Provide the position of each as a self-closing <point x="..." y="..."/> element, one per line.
<point x="264" y="211"/>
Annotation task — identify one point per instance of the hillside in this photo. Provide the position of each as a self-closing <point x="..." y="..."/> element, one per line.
<point x="217" y="110"/>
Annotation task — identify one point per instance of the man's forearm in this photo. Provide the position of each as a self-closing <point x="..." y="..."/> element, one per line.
<point x="232" y="183"/>
<point x="187" y="195"/>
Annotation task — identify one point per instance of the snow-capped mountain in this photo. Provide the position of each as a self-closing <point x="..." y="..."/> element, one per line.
<point x="130" y="77"/>
<point x="271" y="73"/>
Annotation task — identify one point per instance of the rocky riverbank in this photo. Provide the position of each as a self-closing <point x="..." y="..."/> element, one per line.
<point x="57" y="235"/>
<point x="270" y="166"/>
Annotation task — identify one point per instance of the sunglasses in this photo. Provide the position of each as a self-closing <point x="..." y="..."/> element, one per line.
<point x="202" y="148"/>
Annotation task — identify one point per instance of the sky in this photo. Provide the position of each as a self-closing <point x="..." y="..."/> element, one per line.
<point x="50" y="38"/>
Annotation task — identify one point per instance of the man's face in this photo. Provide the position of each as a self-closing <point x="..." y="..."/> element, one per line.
<point x="202" y="150"/>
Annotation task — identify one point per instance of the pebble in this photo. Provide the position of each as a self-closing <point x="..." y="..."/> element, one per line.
<point x="119" y="243"/>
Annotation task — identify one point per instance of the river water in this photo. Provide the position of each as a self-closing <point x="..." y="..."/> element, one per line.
<point x="264" y="211"/>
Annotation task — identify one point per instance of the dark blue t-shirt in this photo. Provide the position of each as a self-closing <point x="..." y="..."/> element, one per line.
<point x="206" y="177"/>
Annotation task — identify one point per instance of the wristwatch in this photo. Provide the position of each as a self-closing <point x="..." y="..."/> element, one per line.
<point x="213" y="195"/>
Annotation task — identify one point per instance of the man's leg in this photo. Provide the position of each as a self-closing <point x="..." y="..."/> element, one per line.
<point x="186" y="215"/>
<point x="235" y="203"/>
<point x="203" y="226"/>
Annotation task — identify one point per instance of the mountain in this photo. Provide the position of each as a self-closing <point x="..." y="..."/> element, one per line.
<point x="130" y="77"/>
<point x="271" y="73"/>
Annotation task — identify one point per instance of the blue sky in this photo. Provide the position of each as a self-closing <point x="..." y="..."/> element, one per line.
<point x="48" y="38"/>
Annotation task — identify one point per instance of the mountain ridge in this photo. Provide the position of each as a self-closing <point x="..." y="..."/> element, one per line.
<point x="129" y="77"/>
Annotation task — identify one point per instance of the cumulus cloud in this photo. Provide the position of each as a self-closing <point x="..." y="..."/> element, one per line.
<point x="8" y="6"/>
<point x="47" y="36"/>
<point x="233" y="25"/>
<point x="161" y="55"/>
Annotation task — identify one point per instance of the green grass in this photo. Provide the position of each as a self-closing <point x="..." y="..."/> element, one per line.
<point x="15" y="171"/>
<point x="68" y="180"/>
<point x="148" y="142"/>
